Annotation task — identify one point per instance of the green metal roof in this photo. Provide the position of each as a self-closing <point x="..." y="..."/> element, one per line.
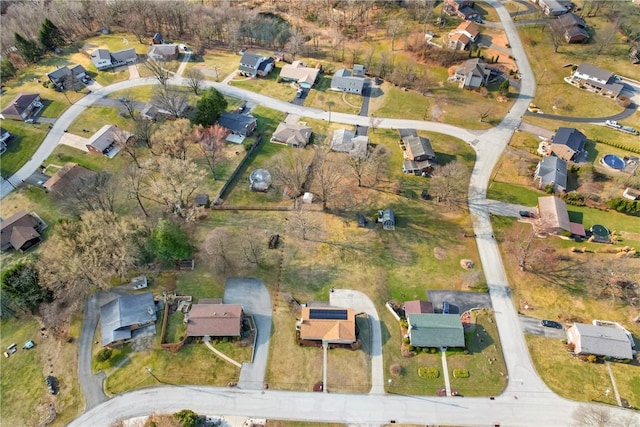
<point x="436" y="330"/>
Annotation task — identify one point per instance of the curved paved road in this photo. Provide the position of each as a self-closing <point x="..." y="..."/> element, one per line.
<point x="527" y="400"/>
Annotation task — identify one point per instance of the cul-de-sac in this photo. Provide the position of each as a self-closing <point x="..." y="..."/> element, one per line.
<point x="320" y="213"/>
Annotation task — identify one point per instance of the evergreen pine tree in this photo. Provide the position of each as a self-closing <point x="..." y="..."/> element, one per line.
<point x="28" y="49"/>
<point x="50" y="35"/>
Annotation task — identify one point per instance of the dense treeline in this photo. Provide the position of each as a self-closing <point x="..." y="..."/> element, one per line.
<point x="282" y="25"/>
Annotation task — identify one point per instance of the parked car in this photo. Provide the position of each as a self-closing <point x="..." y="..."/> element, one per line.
<point x="613" y="124"/>
<point x="299" y="93"/>
<point x="51" y="384"/>
<point x="527" y="214"/>
<point x="29" y="344"/>
<point x="551" y="324"/>
<point x="446" y="307"/>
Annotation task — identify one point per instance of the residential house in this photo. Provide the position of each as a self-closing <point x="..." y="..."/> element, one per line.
<point x="465" y="34"/>
<point x="70" y="177"/>
<point x="23" y="107"/>
<point x="67" y="75"/>
<point x="126" y="318"/>
<point x="359" y="70"/>
<point x="163" y="52"/>
<point x="214" y="320"/>
<point x="103" y="59"/>
<point x="292" y="135"/>
<point x="252" y="65"/>
<point x="297" y="72"/>
<point x="5" y="136"/>
<point x="157" y="39"/>
<point x="346" y="141"/>
<point x="344" y="81"/>
<point x="435" y="330"/>
<point x="461" y="8"/>
<point x="553" y="217"/>
<point x="107" y="140"/>
<point x="388" y="219"/>
<point x="568" y="144"/>
<point x="597" y="79"/>
<point x="419" y="156"/>
<point x="555" y="7"/>
<point x="571" y="28"/>
<point x="21" y="231"/>
<point x="473" y="74"/>
<point x="329" y="325"/>
<point x="153" y="112"/>
<point x="631" y="194"/>
<point x="238" y="124"/>
<point x="552" y="170"/>
<point x="417" y="307"/>
<point x="611" y="343"/>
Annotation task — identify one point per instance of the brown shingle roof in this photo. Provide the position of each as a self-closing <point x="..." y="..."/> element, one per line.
<point x="330" y="330"/>
<point x="215" y="320"/>
<point x="19" y="220"/>
<point x="68" y="176"/>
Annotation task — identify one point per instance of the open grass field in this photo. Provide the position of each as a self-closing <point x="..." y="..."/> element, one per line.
<point x="23" y="391"/>
<point x="217" y="64"/>
<point x="573" y="379"/>
<point x="26" y="140"/>
<point x="93" y="118"/>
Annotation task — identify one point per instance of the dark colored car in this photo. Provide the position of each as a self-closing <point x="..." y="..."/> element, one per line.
<point x="527" y="214"/>
<point x="551" y="324"/>
<point x="51" y="384"/>
<point x="445" y="307"/>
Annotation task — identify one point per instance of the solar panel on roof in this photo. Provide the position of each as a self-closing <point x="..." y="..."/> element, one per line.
<point x="319" y="313"/>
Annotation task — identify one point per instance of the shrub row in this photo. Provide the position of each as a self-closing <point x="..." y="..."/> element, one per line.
<point x="460" y="373"/>
<point x="428" y="372"/>
<point x="617" y="145"/>
<point x="622" y="205"/>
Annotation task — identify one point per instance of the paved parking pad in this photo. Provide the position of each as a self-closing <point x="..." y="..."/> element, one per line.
<point x="255" y="300"/>
<point x="459" y="302"/>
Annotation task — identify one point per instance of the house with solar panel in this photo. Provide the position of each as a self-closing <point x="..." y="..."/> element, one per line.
<point x="332" y="326"/>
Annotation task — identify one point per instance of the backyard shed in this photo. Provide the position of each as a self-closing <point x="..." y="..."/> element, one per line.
<point x="387" y="218"/>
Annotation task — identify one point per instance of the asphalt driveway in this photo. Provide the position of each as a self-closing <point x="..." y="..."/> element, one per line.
<point x="532" y="325"/>
<point x="255" y="300"/>
<point x="459" y="302"/>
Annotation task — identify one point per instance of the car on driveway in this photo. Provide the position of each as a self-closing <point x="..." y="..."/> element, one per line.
<point x="551" y="324"/>
<point x="51" y="384"/>
<point x="527" y="214"/>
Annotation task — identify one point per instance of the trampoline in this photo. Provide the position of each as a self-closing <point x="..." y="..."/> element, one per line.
<point x="613" y="161"/>
<point x="600" y="233"/>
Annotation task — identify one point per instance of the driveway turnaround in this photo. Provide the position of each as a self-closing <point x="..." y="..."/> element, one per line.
<point x="361" y="303"/>
<point x="255" y="300"/>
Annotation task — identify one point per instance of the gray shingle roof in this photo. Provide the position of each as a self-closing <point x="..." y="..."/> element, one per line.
<point x="570" y="137"/>
<point x="552" y="170"/>
<point x="236" y="123"/>
<point x="601" y="341"/>
<point x="594" y="71"/>
<point x="118" y="316"/>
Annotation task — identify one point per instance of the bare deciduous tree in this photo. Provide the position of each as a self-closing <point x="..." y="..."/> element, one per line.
<point x="290" y="170"/>
<point x="173" y="100"/>
<point x="449" y="183"/>
<point x="396" y="26"/>
<point x="173" y="184"/>
<point x="88" y="252"/>
<point x="195" y="78"/>
<point x="219" y="246"/>
<point x="328" y="176"/>
<point x="303" y="224"/>
<point x="97" y="192"/>
<point x="295" y="44"/>
<point x="370" y="169"/>
<point x="529" y="251"/>
<point x="173" y="138"/>
<point x="134" y="179"/>
<point x="211" y="141"/>
<point x="158" y="71"/>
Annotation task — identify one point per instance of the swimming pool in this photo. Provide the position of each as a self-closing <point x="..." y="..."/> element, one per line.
<point x="613" y="161"/>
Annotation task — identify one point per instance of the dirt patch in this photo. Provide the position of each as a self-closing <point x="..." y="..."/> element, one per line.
<point x="439" y="253"/>
<point x="467" y="264"/>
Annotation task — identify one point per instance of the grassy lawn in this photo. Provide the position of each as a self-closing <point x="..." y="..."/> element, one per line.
<point x="582" y="381"/>
<point x="233" y="350"/>
<point x="267" y="85"/>
<point x="323" y="98"/>
<point x="485" y="378"/>
<point x="445" y="103"/>
<point x="27" y="138"/>
<point x="194" y="365"/>
<point x="222" y="62"/>
<point x="95" y="117"/>
<point x="139" y="93"/>
<point x="549" y="67"/>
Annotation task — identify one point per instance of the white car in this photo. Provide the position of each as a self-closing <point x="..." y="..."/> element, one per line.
<point x="613" y="124"/>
